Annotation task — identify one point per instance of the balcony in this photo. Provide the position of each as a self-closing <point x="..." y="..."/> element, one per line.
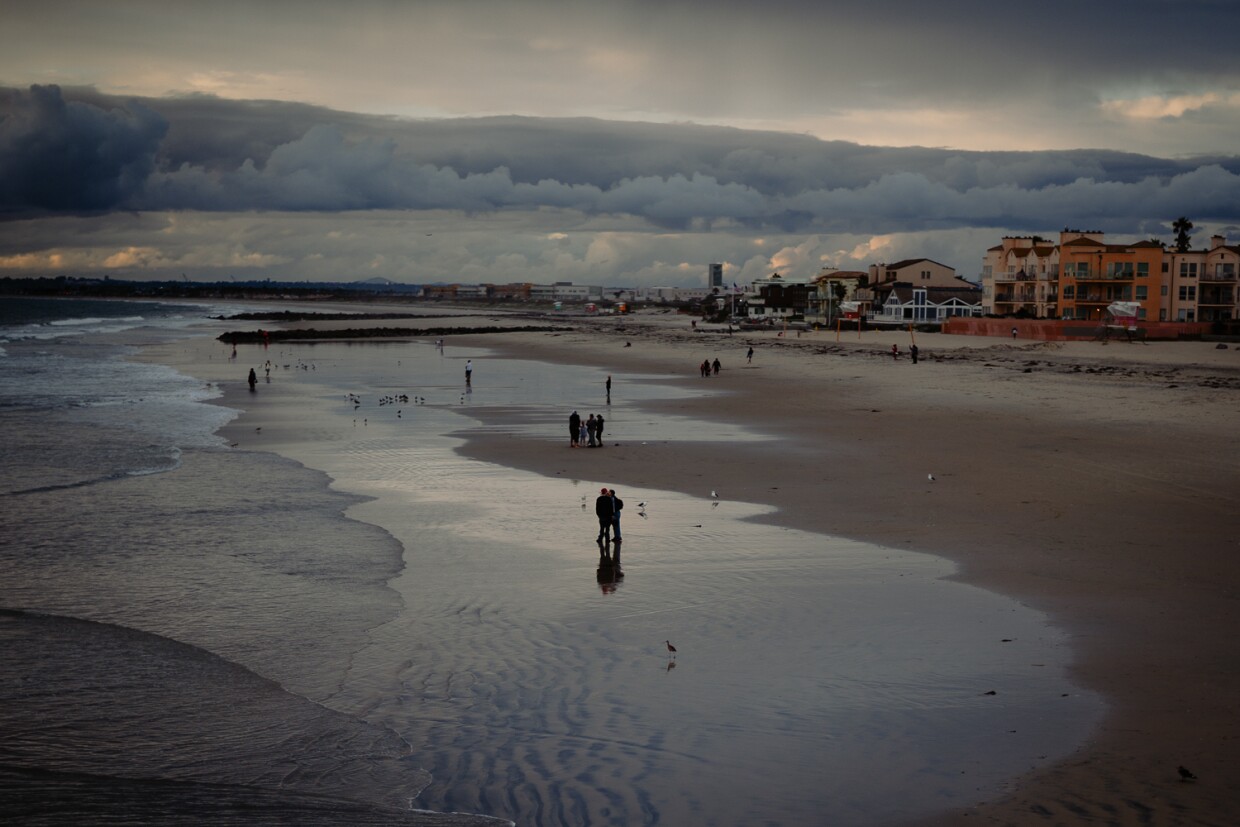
<point x="1017" y="298"/>
<point x="1011" y="277"/>
<point x="1219" y="277"/>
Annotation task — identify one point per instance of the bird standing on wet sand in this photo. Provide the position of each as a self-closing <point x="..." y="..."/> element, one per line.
<point x="1186" y="774"/>
<point x="671" y="650"/>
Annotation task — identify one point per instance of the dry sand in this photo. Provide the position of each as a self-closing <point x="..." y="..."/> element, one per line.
<point x="1095" y="482"/>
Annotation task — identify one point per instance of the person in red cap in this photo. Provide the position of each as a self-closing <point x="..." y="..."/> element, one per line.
<point x="604" y="509"/>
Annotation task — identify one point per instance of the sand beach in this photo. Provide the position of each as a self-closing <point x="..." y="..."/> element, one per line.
<point x="993" y="587"/>
<point x="1093" y="482"/>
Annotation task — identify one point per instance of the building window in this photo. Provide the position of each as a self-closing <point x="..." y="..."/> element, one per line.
<point x="1069" y="291"/>
<point x="1141" y="292"/>
<point x="1163" y="292"/>
<point x="1188" y="269"/>
<point x="1143" y="269"/>
<point x="1188" y="293"/>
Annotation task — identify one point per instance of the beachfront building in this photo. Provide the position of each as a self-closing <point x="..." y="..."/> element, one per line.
<point x="831" y="287"/>
<point x="914" y="272"/>
<point x="516" y="291"/>
<point x="777" y="297"/>
<point x="913" y="304"/>
<point x="1093" y="274"/>
<point x="1079" y="277"/>
<point x="1201" y="285"/>
<point x="1021" y="277"/>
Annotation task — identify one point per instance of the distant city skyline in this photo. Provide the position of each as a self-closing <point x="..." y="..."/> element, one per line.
<point x="623" y="142"/>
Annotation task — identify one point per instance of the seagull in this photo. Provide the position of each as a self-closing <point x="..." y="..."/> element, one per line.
<point x="1185" y="773"/>
<point x="930" y="477"/>
<point x="671" y="650"/>
<point x="713" y="494"/>
<point x="641" y="504"/>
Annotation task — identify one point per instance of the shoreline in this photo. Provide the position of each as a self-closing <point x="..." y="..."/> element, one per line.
<point x="1095" y="503"/>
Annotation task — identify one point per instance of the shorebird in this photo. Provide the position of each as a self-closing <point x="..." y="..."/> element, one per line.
<point x="1186" y="774"/>
<point x="671" y="651"/>
<point x="930" y="477"/>
<point x="713" y="494"/>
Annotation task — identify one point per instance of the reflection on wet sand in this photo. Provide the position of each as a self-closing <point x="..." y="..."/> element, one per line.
<point x="609" y="573"/>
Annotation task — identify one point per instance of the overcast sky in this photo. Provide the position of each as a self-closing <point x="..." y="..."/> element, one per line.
<point x="620" y="142"/>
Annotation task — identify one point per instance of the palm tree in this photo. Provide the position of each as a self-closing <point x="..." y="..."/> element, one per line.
<point x="1182" y="227"/>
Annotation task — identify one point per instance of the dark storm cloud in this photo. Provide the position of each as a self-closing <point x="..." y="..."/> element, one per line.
<point x="84" y="151"/>
<point x="59" y="155"/>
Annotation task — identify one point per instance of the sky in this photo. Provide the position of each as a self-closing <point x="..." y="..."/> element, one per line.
<point x="619" y="143"/>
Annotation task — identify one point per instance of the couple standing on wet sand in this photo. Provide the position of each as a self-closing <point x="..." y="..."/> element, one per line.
<point x="607" y="506"/>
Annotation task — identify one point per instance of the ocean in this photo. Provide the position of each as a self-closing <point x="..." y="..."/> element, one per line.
<point x="330" y="617"/>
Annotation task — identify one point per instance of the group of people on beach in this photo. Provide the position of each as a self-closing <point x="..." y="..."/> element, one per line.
<point x="707" y="367"/>
<point x="587" y="434"/>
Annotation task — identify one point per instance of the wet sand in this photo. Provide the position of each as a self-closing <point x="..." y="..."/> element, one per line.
<point x="1094" y="482"/>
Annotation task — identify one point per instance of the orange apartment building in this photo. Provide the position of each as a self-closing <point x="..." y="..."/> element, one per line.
<point x="1082" y="274"/>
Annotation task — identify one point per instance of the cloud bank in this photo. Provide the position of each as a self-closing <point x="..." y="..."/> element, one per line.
<point x="73" y="154"/>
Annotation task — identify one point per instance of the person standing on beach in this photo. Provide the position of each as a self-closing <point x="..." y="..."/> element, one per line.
<point x="912" y="351"/>
<point x="895" y="351"/>
<point x="253" y="379"/>
<point x="591" y="430"/>
<point x="574" y="430"/>
<point x="1013" y="333"/>
<point x="604" y="510"/>
<point x="609" y="389"/>
<point x="598" y="429"/>
<point x="469" y="371"/>
<point x="749" y="357"/>
<point x="716" y="365"/>
<point x="616" y="505"/>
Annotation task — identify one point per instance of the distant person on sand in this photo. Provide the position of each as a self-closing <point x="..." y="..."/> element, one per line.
<point x="253" y="379"/>
<point x="609" y="387"/>
<point x="716" y="365"/>
<point x="574" y="430"/>
<point x="895" y="351"/>
<point x="469" y="370"/>
<point x="616" y="505"/>
<point x="1013" y="333"/>
<point x="591" y="430"/>
<point x="912" y="351"/>
<point x="604" y="509"/>
<point x="749" y="356"/>
<point x="598" y="429"/>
